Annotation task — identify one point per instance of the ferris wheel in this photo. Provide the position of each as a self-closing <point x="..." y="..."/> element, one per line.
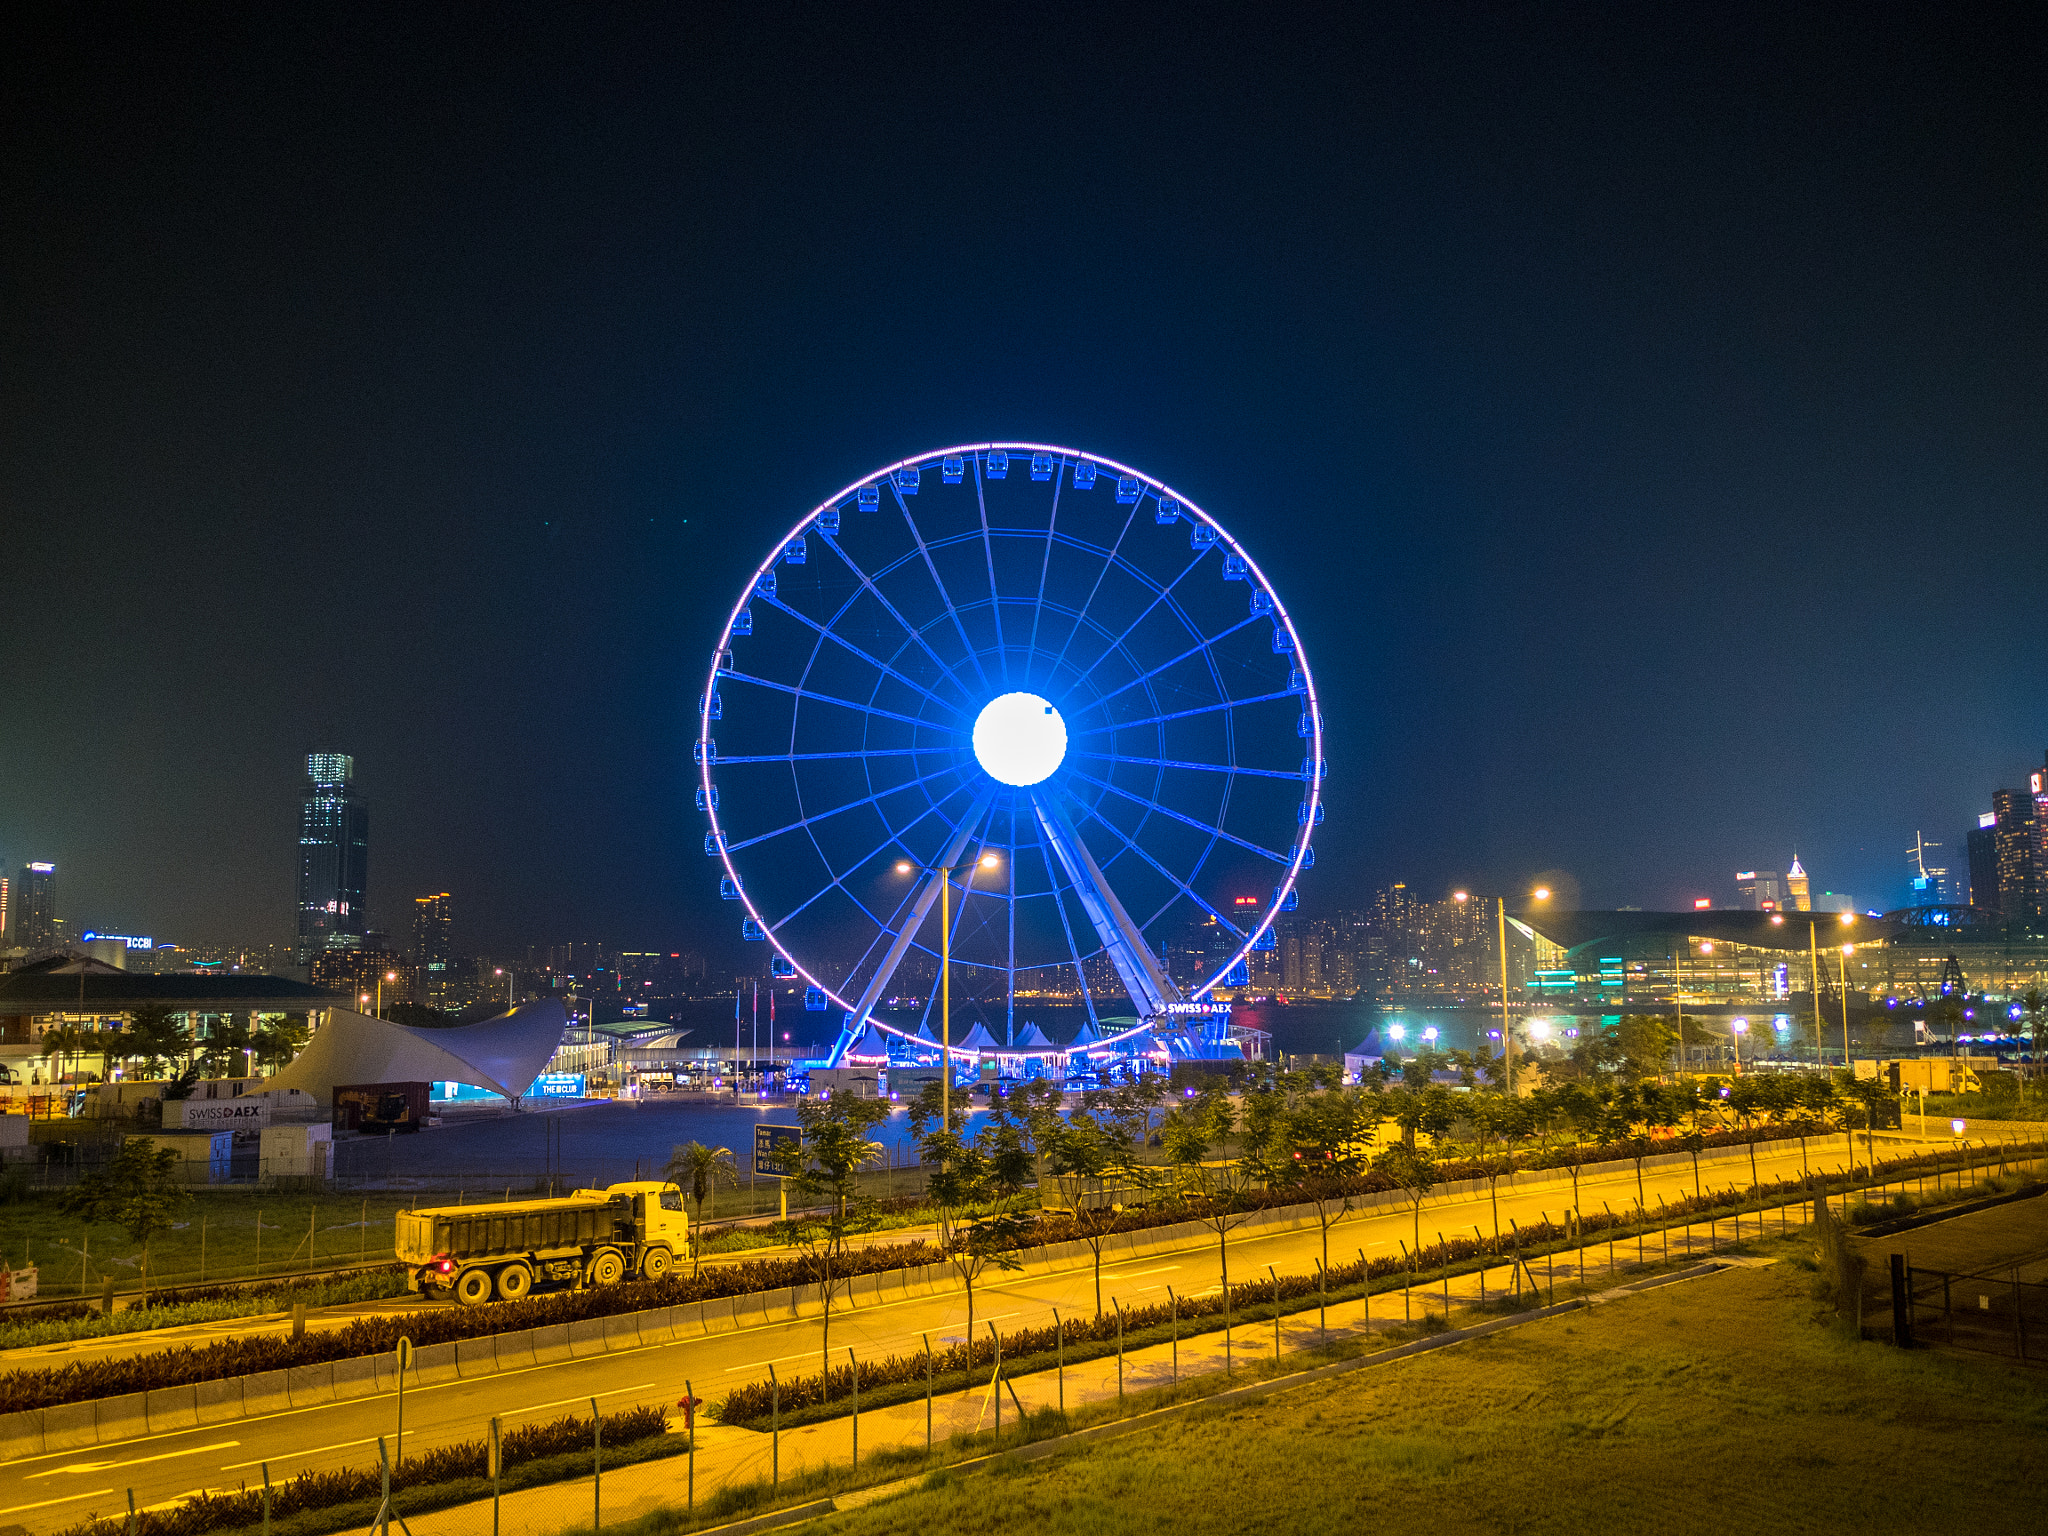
<point x="1039" y="684"/>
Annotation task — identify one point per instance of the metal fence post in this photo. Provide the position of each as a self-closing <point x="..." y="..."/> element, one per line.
<point x="596" y="1468"/>
<point x="690" y="1428"/>
<point x="854" y="1364"/>
<point x="774" y="1431"/>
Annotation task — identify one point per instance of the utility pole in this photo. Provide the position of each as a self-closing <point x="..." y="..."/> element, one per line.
<point x="1506" y="1037"/>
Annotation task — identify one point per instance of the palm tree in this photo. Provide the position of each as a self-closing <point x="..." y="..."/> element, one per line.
<point x="60" y="1041"/>
<point x="698" y="1169"/>
<point x="277" y="1041"/>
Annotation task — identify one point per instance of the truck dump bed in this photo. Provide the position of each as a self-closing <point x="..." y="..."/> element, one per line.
<point x="522" y="1226"/>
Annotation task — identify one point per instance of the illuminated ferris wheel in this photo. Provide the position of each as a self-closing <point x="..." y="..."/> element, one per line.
<point x="1043" y="678"/>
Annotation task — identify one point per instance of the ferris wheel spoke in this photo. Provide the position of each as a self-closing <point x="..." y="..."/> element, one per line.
<point x="1052" y="523"/>
<point x="1168" y="762"/>
<point x="1197" y="649"/>
<point x="1144" y="978"/>
<point x="1183" y="818"/>
<point x="830" y="757"/>
<point x="995" y="597"/>
<point x="1181" y="714"/>
<point x="1166" y="874"/>
<point x="1052" y="866"/>
<point x="926" y="892"/>
<point x="838" y="880"/>
<point x="840" y="810"/>
<point x="938" y="581"/>
<point x="1109" y="561"/>
<point x="874" y="590"/>
<point x="874" y="661"/>
<point x="799" y="692"/>
<point x="1160" y="595"/>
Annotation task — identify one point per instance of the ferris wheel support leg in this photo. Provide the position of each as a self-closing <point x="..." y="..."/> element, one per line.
<point x="919" y="908"/>
<point x="1151" y="989"/>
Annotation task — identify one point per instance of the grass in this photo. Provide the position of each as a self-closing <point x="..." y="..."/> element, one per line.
<point x="344" y="1231"/>
<point x="1713" y="1405"/>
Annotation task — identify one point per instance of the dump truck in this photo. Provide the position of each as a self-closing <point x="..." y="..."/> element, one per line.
<point x="592" y="1237"/>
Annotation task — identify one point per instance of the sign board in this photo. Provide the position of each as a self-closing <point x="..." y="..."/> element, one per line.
<point x="558" y="1085"/>
<point x="769" y="1141"/>
<point x="251" y="1114"/>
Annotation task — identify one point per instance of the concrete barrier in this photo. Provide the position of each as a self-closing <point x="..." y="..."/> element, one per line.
<point x="309" y="1385"/>
<point x="21" y="1435"/>
<point x="476" y="1357"/>
<point x="550" y="1344"/>
<point x="355" y="1378"/>
<point x="220" y="1402"/>
<point x="264" y="1393"/>
<point x="433" y="1365"/>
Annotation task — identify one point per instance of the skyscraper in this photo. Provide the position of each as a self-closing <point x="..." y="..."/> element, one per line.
<point x="1799" y="892"/>
<point x="35" y="907"/>
<point x="334" y="857"/>
<point x="1983" y="844"/>
<point x="433" y="929"/>
<point x="2020" y="833"/>
<point x="1756" y="892"/>
<point x="1929" y="882"/>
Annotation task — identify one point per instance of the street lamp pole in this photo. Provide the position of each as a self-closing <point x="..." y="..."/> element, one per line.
<point x="945" y="872"/>
<point x="1506" y="1045"/>
<point x="1813" y="970"/>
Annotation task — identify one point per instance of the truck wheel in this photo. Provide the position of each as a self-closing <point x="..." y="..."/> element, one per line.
<point x="607" y="1267"/>
<point x="473" y="1287"/>
<point x="514" y="1282"/>
<point x="657" y="1264"/>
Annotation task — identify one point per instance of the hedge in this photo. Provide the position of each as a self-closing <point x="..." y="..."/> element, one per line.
<point x="211" y="1511"/>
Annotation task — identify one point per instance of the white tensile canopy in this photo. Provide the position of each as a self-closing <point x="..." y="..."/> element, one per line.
<point x="502" y="1055"/>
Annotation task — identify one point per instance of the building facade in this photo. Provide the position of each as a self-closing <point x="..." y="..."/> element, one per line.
<point x="1983" y="846"/>
<point x="1798" y="890"/>
<point x="433" y="931"/>
<point x="34" y="905"/>
<point x="334" y="858"/>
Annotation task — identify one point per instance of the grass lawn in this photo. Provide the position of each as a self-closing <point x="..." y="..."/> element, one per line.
<point x="33" y="1230"/>
<point x="1987" y="1240"/>
<point x="1712" y="1405"/>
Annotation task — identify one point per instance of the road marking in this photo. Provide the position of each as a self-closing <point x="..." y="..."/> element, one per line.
<point x="1136" y="1274"/>
<point x="586" y="1397"/>
<point x="318" y="1450"/>
<point x="46" y="1503"/>
<point x="108" y="1466"/>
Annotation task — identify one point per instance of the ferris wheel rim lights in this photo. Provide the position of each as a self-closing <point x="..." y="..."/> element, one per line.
<point x="1131" y="484"/>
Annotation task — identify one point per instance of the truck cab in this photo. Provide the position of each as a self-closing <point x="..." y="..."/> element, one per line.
<point x="655" y="1222"/>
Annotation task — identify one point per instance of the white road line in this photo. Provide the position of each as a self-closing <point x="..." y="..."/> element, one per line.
<point x="108" y="1466"/>
<point x="1135" y="1274"/>
<point x="318" y="1450"/>
<point x="586" y="1397"/>
<point x="46" y="1503"/>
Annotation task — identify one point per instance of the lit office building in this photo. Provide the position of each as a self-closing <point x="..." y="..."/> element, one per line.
<point x="1758" y="892"/>
<point x="334" y="857"/>
<point x="35" y="907"/>
<point x="1798" y="892"/>
<point x="433" y="931"/>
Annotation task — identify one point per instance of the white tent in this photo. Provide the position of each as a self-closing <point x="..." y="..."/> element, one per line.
<point x="502" y="1055"/>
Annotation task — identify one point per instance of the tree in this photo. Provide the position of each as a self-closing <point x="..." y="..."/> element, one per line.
<point x="827" y="1166"/>
<point x="1750" y="1096"/>
<point x="61" y="1042"/>
<point x="225" y="1042"/>
<point x="1318" y="1151"/>
<point x="989" y="1242"/>
<point x="276" y="1041"/>
<point x="137" y="1189"/>
<point x="1083" y="1153"/>
<point x="1413" y="1173"/>
<point x="697" y="1170"/>
<point x="1496" y="1117"/>
<point x="1643" y="1043"/>
<point x="158" y="1037"/>
<point x="1214" y="1190"/>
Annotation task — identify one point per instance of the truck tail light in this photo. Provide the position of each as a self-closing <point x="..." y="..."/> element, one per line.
<point x="446" y="1266"/>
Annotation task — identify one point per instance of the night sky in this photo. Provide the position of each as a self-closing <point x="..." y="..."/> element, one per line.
<point x="1642" y="410"/>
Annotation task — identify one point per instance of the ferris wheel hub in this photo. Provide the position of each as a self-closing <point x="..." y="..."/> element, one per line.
<point x="1020" y="739"/>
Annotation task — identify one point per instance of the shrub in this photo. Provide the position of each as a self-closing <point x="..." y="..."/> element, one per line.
<point x="212" y="1511"/>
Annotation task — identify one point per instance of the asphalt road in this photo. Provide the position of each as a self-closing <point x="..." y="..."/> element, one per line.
<point x="46" y="1493"/>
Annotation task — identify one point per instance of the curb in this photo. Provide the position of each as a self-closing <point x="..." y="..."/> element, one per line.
<point x="1944" y="1213"/>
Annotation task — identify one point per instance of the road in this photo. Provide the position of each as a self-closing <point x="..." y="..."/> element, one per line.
<point x="48" y="1492"/>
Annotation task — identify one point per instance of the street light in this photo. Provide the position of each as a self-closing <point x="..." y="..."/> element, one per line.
<point x="387" y="976"/>
<point x="1740" y="1028"/>
<point x="945" y="872"/>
